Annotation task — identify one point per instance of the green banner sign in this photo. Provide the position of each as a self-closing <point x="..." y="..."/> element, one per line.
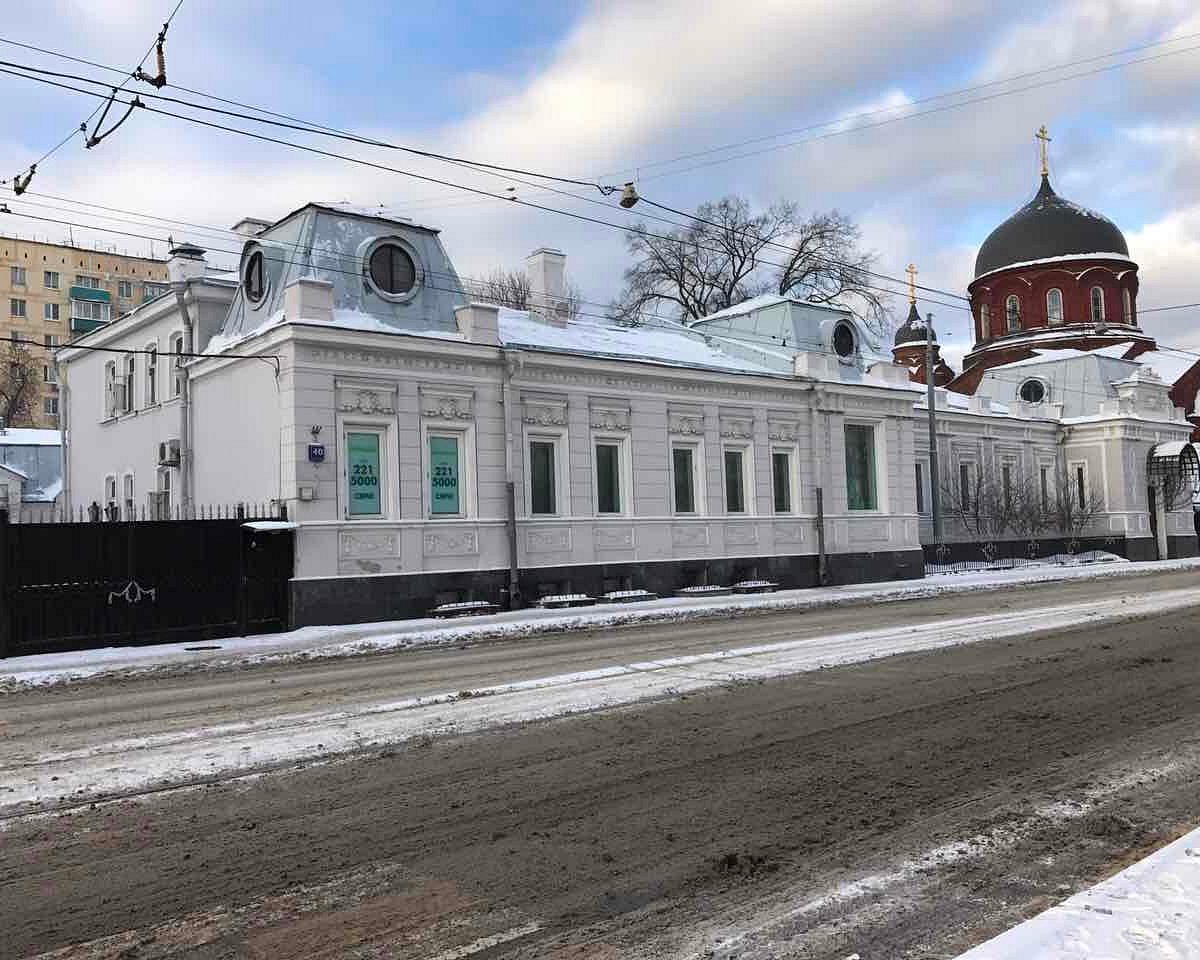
<point x="363" y="475"/>
<point x="443" y="475"/>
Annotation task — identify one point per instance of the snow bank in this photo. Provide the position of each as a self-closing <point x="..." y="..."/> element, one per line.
<point x="1151" y="910"/>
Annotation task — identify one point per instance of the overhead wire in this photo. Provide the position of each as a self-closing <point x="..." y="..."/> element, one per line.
<point x="317" y="258"/>
<point x="82" y="127"/>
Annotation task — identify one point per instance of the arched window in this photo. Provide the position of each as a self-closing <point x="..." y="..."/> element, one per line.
<point x="1097" y="305"/>
<point x="1127" y="304"/>
<point x="985" y="322"/>
<point x="1012" y="312"/>
<point x="1054" y="307"/>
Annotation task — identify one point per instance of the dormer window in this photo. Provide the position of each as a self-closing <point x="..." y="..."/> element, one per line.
<point x="254" y="279"/>
<point x="392" y="271"/>
<point x="843" y="340"/>
<point x="1097" y="305"/>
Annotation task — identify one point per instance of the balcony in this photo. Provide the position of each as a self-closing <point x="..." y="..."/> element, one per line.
<point x="91" y="294"/>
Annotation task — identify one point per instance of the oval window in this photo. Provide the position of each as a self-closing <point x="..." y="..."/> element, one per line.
<point x="843" y="340"/>
<point x="392" y="270"/>
<point x="1033" y="391"/>
<point x="254" y="278"/>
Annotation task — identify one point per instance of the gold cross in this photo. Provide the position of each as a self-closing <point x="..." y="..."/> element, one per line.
<point x="1044" y="135"/>
<point x="911" y="270"/>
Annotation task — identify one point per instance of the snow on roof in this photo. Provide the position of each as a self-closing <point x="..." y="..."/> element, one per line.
<point x="644" y="343"/>
<point x="1169" y="364"/>
<point x="1051" y="356"/>
<point x="1106" y="255"/>
<point x="30" y="437"/>
<point x="377" y="212"/>
<point x="11" y="469"/>
<point x="760" y="302"/>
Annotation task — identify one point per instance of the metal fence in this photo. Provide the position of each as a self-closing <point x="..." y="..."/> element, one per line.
<point x="969" y="557"/>
<point x="129" y="512"/>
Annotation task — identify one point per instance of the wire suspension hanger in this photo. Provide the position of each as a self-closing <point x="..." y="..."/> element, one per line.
<point x="97" y="136"/>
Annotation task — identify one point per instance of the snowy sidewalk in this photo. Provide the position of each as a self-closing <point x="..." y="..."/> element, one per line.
<point x="354" y="639"/>
<point x="1151" y="911"/>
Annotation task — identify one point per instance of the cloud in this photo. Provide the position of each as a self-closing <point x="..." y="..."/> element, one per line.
<point x="1168" y="256"/>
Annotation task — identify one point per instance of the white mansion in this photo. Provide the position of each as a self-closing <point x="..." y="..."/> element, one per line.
<point x="433" y="449"/>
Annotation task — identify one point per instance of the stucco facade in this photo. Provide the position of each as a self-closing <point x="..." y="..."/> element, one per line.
<point x="434" y="450"/>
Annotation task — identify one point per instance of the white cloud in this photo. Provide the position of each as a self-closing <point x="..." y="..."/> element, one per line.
<point x="1168" y="255"/>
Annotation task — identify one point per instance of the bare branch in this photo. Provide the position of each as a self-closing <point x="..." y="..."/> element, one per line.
<point x="18" y="386"/>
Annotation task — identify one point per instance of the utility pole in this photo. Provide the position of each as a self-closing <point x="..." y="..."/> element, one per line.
<point x="935" y="502"/>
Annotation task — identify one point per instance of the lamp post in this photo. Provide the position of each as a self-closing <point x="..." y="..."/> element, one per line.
<point x="935" y="503"/>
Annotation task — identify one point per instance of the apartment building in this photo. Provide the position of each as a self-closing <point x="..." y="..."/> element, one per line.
<point x="52" y="293"/>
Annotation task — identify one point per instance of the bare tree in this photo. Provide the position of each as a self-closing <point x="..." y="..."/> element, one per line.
<point x="827" y="266"/>
<point x="728" y="253"/>
<point x="512" y="288"/>
<point x="18" y="386"/>
<point x="984" y="507"/>
<point x="1074" y="511"/>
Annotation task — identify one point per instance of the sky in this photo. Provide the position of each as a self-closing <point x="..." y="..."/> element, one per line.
<point x="614" y="90"/>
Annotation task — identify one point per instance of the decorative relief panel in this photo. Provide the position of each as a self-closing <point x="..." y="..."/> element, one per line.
<point x="788" y="532"/>
<point x="367" y="397"/>
<point x="548" y="540"/>
<point x="368" y="544"/>
<point x="688" y="421"/>
<point x="870" y="531"/>
<point x="689" y="536"/>
<point x="609" y="415"/>
<point x="741" y="533"/>
<point x="445" y="404"/>
<point x="544" y="411"/>
<point x="450" y="543"/>
<point x="608" y="537"/>
<point x="739" y="426"/>
<point x="783" y="431"/>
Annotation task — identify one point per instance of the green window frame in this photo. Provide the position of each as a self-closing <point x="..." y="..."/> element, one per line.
<point x="735" y="481"/>
<point x="861" y="481"/>
<point x="364" y="474"/>
<point x="781" y="480"/>
<point x="543" y="479"/>
<point x="445" y="476"/>
<point x="608" y="477"/>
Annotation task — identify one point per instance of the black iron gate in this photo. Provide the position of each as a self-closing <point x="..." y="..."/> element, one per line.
<point x="70" y="586"/>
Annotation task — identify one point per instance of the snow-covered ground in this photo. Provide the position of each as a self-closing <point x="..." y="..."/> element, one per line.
<point x="349" y="640"/>
<point x="223" y="749"/>
<point x="1151" y="911"/>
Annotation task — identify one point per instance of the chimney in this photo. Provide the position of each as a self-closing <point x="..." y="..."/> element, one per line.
<point x="250" y="226"/>
<point x="185" y="261"/>
<point x="547" y="285"/>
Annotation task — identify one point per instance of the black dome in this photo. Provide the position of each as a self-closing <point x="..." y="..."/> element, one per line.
<point x="913" y="329"/>
<point x="1048" y="226"/>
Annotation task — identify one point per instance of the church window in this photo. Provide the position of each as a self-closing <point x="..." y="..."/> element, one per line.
<point x="1097" y="305"/>
<point x="1127" y="304"/>
<point x="1054" y="307"/>
<point x="1012" y="312"/>
<point x="392" y="271"/>
<point x="1033" y="391"/>
<point x="985" y="322"/>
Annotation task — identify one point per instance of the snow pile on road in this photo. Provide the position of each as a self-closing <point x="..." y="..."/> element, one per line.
<point x="1151" y="910"/>
<point x="367" y="638"/>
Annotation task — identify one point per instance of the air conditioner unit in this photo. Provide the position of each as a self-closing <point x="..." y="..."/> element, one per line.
<point x="168" y="454"/>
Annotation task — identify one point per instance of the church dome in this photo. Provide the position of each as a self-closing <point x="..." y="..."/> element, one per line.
<point x="1047" y="227"/>
<point x="913" y="329"/>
